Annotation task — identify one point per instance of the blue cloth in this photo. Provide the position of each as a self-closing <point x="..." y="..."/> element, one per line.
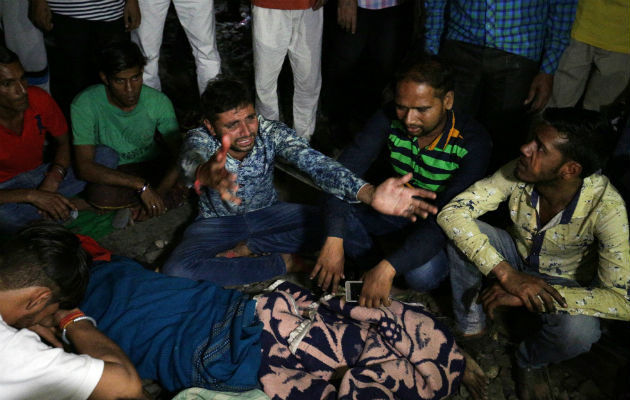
<point x="179" y="332"/>
<point x="420" y="241"/>
<point x="280" y="228"/>
<point x="255" y="172"/>
<point x="535" y="29"/>
<point x="561" y="336"/>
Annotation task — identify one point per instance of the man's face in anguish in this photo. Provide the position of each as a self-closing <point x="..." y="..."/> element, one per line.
<point x="420" y="109"/>
<point x="241" y="125"/>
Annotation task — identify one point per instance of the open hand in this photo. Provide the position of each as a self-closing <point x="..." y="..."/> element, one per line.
<point x="214" y="175"/>
<point x="329" y="266"/>
<point x="393" y="197"/>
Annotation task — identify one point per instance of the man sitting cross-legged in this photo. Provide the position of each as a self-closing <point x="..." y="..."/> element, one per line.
<point x="446" y="151"/>
<point x="133" y="124"/>
<point x="231" y="159"/>
<point x="29" y="187"/>
<point x="43" y="276"/>
<point x="566" y="257"/>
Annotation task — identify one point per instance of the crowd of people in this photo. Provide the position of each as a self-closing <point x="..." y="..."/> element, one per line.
<point x="510" y="102"/>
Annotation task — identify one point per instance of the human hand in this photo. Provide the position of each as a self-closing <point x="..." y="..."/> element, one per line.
<point x="51" y="205"/>
<point x="535" y="294"/>
<point x="131" y="15"/>
<point x="330" y="264"/>
<point x="347" y="15"/>
<point x="539" y="92"/>
<point x="152" y="202"/>
<point x="377" y="284"/>
<point x="495" y="296"/>
<point x="319" y="4"/>
<point x="40" y="15"/>
<point x="48" y="333"/>
<point x="214" y="175"/>
<point x="393" y="197"/>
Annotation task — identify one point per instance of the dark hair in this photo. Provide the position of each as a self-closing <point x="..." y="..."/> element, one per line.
<point x="589" y="136"/>
<point x="119" y="56"/>
<point x="7" y="56"/>
<point x="48" y="255"/>
<point x="223" y="94"/>
<point x="428" y="70"/>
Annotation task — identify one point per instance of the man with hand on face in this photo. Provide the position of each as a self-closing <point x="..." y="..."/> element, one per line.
<point x="446" y="151"/>
<point x="231" y="161"/>
<point x="43" y="277"/>
<point x="566" y="257"/>
<point x="135" y="126"/>
<point x="29" y="187"/>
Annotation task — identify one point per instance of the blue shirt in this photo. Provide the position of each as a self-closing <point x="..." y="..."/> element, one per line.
<point x="535" y="29"/>
<point x="255" y="172"/>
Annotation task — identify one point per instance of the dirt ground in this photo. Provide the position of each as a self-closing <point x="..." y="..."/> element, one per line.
<point x="600" y="374"/>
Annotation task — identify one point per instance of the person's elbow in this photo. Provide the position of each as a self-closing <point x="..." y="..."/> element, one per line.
<point x="118" y="382"/>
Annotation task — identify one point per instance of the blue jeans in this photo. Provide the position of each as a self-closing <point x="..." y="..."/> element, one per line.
<point x="280" y="228"/>
<point x="363" y="222"/>
<point x="561" y="336"/>
<point x="13" y="216"/>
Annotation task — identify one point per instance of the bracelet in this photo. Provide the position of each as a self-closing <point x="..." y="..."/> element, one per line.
<point x="59" y="168"/>
<point x="144" y="188"/>
<point x="67" y="320"/>
<point x="74" y="321"/>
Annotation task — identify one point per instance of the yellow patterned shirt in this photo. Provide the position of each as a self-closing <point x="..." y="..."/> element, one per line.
<point x="586" y="242"/>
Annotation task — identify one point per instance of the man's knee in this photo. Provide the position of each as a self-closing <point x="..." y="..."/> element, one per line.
<point x="576" y="334"/>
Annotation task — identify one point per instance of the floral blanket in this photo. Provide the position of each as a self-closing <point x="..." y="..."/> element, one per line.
<point x="331" y="349"/>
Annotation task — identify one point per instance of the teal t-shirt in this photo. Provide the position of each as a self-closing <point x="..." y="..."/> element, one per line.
<point x="95" y="121"/>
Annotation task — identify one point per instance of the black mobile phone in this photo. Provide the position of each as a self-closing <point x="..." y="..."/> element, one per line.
<point x="353" y="290"/>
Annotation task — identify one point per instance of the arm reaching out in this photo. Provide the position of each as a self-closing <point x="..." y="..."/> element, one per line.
<point x="213" y="174"/>
<point x="393" y="197"/>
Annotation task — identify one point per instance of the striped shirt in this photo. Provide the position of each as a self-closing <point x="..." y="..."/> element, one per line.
<point x="456" y="159"/>
<point x="535" y="29"/>
<point x="93" y="10"/>
<point x="432" y="166"/>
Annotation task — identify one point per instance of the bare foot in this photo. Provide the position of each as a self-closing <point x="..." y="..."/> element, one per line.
<point x="475" y="379"/>
<point x="240" y="250"/>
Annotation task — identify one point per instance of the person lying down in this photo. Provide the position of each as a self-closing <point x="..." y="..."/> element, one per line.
<point x="185" y="333"/>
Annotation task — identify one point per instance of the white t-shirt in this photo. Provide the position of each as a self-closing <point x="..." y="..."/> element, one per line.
<point x="30" y="369"/>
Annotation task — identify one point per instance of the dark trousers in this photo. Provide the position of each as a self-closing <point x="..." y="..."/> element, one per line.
<point x="72" y="50"/>
<point x="357" y="67"/>
<point x="492" y="85"/>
